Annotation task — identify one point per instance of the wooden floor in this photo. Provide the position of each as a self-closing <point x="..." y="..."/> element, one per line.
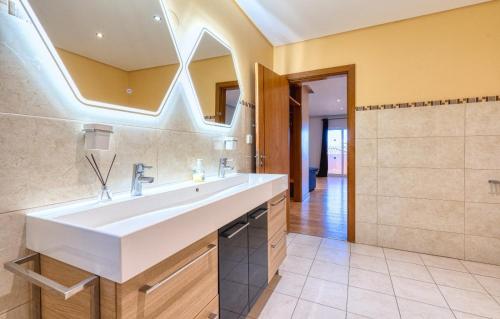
<point x="324" y="214"/>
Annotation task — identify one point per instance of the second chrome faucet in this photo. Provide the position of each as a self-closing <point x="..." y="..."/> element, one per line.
<point x="138" y="179"/>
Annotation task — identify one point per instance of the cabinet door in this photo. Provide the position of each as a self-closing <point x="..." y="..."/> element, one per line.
<point x="178" y="288"/>
<point x="233" y="273"/>
<point x="257" y="265"/>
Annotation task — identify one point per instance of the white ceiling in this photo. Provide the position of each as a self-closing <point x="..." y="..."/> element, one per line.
<point x="288" y="21"/>
<point x="132" y="39"/>
<point x="329" y="97"/>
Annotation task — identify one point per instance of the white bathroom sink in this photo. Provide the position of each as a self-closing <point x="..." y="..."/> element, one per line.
<point x="122" y="238"/>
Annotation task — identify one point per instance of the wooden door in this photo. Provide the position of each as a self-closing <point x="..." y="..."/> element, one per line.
<point x="272" y="122"/>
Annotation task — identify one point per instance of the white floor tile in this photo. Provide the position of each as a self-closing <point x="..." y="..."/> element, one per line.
<point x="370" y="280"/>
<point x="404" y="256"/>
<point x="409" y="270"/>
<point x="328" y="271"/>
<point x="455" y="279"/>
<point x="461" y="315"/>
<point x="307" y="240"/>
<point x="355" y="316"/>
<point x="278" y="307"/>
<point x="443" y="262"/>
<point x="309" y="310"/>
<point x="418" y="291"/>
<point x="368" y="250"/>
<point x="372" y="304"/>
<point x="296" y="265"/>
<point x="325" y="292"/>
<point x="491" y="284"/>
<point x="290" y="237"/>
<point x="482" y="269"/>
<point x="471" y="302"/>
<point x="335" y="244"/>
<point x="369" y="263"/>
<point x="290" y="284"/>
<point x="333" y="256"/>
<point x="304" y="251"/>
<point x="416" y="310"/>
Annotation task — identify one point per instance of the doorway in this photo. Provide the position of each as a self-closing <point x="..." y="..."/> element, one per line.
<point x="328" y="210"/>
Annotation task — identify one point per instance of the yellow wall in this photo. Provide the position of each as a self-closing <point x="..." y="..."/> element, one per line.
<point x="205" y="74"/>
<point x="150" y="86"/>
<point x="96" y="81"/>
<point x="446" y="55"/>
<point x="104" y="83"/>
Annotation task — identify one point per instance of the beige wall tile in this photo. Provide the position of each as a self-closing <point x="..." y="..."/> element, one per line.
<point x="482" y="219"/>
<point x="482" y="118"/>
<point x="428" y="152"/>
<point x="482" y="152"/>
<point x="366" y="180"/>
<point x="423" y="241"/>
<point x="421" y="213"/>
<point x="477" y="188"/>
<point x="366" y="124"/>
<point x="422" y="121"/>
<point x="178" y="151"/>
<point x="482" y="249"/>
<point x="14" y="291"/>
<point x="366" y="208"/>
<point x="366" y="152"/>
<point x="446" y="184"/>
<point x="366" y="233"/>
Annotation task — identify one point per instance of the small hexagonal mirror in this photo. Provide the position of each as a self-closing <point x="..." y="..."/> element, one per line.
<point x="116" y="54"/>
<point x="213" y="75"/>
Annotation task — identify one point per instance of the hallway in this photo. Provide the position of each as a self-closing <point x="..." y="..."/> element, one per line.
<point x="324" y="214"/>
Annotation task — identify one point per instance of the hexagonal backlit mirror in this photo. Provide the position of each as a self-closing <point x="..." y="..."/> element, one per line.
<point x="113" y="53"/>
<point x="214" y="79"/>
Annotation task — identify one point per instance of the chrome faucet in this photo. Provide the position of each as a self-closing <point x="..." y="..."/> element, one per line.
<point x="138" y="179"/>
<point x="223" y="165"/>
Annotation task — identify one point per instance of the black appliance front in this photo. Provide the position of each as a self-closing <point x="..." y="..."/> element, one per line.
<point x="257" y="251"/>
<point x="233" y="269"/>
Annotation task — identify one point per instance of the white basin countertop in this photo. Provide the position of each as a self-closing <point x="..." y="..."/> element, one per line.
<point x="122" y="238"/>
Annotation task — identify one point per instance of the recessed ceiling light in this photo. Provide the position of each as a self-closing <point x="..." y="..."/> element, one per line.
<point x="338" y="100"/>
<point x="157" y="18"/>
<point x="99" y="35"/>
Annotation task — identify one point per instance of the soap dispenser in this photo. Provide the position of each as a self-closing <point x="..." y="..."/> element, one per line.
<point x="199" y="171"/>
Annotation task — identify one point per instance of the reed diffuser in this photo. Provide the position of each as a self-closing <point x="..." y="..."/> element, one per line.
<point x="105" y="193"/>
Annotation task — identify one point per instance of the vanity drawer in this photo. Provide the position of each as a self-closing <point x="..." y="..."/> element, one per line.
<point x="277" y="214"/>
<point x="211" y="311"/>
<point x="179" y="287"/>
<point x="277" y="252"/>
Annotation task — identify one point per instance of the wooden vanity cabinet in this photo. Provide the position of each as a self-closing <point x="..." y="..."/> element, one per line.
<point x="276" y="233"/>
<point x="183" y="286"/>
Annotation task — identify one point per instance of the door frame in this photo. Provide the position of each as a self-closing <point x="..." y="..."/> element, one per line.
<point x="350" y="71"/>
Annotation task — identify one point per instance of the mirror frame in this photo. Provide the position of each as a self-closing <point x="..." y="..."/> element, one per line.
<point x="236" y="69"/>
<point x="74" y="88"/>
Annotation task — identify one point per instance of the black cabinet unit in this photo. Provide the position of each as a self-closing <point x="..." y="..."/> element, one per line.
<point x="242" y="263"/>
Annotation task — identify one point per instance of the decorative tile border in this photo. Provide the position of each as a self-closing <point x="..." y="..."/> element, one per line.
<point x="247" y="104"/>
<point x="492" y="98"/>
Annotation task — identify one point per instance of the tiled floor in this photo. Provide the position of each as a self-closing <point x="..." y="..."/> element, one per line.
<point x="329" y="279"/>
<point x="324" y="213"/>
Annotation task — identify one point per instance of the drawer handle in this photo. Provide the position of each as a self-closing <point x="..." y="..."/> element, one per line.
<point x="213" y="316"/>
<point x="231" y="235"/>
<point x="147" y="289"/>
<point x="278" y="202"/>
<point x="254" y="217"/>
<point x="277" y="243"/>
